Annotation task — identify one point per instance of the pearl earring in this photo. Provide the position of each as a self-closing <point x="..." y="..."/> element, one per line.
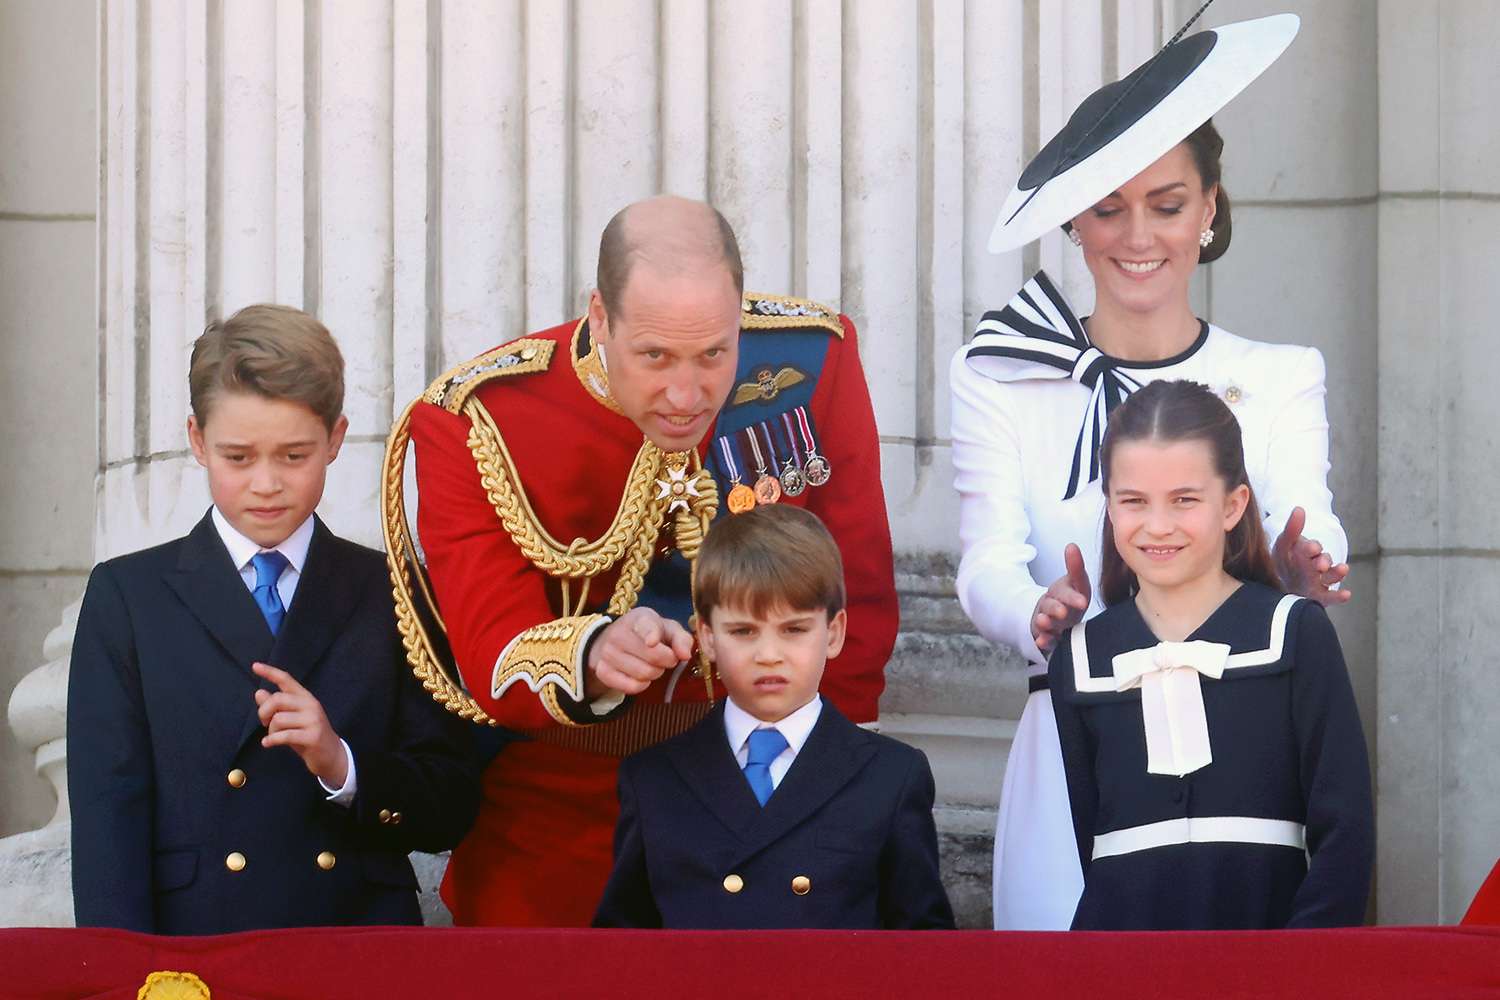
<point x="1205" y="238"/>
<point x="1073" y="236"/>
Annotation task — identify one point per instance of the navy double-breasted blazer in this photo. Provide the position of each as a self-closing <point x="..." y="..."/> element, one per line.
<point x="182" y="822"/>
<point x="846" y="841"/>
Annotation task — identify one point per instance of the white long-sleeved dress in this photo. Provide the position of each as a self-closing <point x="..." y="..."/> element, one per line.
<point x="1013" y="450"/>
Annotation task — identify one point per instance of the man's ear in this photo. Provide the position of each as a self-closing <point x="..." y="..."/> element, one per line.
<point x="196" y="442"/>
<point x="838" y="627"/>
<point x="598" y="317"/>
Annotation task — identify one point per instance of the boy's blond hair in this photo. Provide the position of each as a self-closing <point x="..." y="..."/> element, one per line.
<point x="773" y="556"/>
<point x="276" y="352"/>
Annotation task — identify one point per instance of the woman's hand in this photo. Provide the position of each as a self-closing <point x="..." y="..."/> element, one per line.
<point x="1064" y="603"/>
<point x="1305" y="569"/>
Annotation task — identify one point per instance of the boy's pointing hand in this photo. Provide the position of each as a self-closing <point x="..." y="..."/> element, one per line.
<point x="294" y="718"/>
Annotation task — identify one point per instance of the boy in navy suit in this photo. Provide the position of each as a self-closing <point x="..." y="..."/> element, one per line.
<point x="775" y="810"/>
<point x="246" y="746"/>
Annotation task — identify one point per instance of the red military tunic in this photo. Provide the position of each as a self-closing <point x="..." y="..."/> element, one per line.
<point x="540" y="851"/>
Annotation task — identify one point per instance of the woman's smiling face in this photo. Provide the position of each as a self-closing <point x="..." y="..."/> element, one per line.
<point x="1141" y="242"/>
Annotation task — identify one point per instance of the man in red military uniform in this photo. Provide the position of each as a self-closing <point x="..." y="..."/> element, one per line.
<point x="564" y="482"/>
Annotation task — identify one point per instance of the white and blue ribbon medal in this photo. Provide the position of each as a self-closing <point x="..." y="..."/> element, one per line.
<point x="741" y="497"/>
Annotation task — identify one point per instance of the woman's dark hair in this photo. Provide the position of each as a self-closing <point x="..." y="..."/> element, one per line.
<point x="1185" y="411"/>
<point x="1207" y="147"/>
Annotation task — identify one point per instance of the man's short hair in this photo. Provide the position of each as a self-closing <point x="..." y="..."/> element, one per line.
<point x="275" y="352"/>
<point x="769" y="557"/>
<point x="619" y="253"/>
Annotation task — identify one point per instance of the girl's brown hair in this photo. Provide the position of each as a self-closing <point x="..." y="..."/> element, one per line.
<point x="1171" y="411"/>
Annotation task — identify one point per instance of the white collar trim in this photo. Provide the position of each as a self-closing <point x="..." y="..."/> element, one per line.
<point x="1085" y="683"/>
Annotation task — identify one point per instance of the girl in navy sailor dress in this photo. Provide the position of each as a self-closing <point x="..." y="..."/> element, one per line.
<point x="1215" y="763"/>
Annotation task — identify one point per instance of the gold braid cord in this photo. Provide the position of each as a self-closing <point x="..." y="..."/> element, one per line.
<point x="546" y="657"/>
<point x="401" y="557"/>
<point x="632" y="535"/>
<point x="549" y="656"/>
<point x="688" y="528"/>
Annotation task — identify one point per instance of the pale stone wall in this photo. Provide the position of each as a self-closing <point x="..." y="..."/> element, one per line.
<point x="49" y="387"/>
<point x="1438" y="625"/>
<point x="431" y="177"/>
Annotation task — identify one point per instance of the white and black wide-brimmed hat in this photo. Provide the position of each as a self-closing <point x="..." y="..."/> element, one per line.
<point x="1124" y="127"/>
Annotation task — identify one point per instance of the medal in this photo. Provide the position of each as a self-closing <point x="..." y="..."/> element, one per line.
<point x="767" y="488"/>
<point x="815" y="467"/>
<point x="741" y="497"/>
<point x="793" y="482"/>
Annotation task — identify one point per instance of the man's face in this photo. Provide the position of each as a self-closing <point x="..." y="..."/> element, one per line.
<point x="266" y="461"/>
<point x="672" y="346"/>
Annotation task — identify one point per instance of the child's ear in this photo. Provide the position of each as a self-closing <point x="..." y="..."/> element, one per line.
<point x="1235" y="502"/>
<point x="838" y="626"/>
<point x="705" y="637"/>
<point x="196" y="442"/>
<point x="336" y="437"/>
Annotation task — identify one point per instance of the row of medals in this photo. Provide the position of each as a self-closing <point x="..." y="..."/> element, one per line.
<point x="769" y="488"/>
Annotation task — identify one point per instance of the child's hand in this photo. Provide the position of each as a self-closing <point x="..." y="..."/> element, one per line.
<point x="294" y="718"/>
<point x="634" y="650"/>
<point x="1305" y="569"/>
<point x="1064" y="603"/>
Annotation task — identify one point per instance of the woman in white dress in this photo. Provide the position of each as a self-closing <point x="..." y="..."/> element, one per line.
<point x="1134" y="180"/>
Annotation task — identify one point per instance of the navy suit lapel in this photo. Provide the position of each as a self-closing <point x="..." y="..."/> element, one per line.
<point x="327" y="595"/>
<point x="710" y="771"/>
<point x="836" y="750"/>
<point x="209" y="585"/>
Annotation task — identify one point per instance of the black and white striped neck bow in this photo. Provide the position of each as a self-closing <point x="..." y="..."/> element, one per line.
<point x="1037" y="336"/>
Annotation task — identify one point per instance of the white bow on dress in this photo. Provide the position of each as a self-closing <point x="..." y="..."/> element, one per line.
<point x="1169" y="676"/>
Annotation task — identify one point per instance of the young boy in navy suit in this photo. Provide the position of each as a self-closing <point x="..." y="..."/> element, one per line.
<point x="775" y="810"/>
<point x="247" y="748"/>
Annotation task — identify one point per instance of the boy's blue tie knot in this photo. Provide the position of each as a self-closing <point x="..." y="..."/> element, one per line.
<point x="268" y="567"/>
<point x="765" y="746"/>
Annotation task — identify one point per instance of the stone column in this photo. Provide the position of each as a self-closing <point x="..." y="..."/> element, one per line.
<point x="1439" y="789"/>
<point x="49" y="387"/>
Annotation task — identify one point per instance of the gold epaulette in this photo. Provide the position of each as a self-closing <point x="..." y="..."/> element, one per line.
<point x="782" y="312"/>
<point x="519" y="357"/>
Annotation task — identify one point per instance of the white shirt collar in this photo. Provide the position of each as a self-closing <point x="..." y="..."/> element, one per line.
<point x="796" y="727"/>
<point x="242" y="549"/>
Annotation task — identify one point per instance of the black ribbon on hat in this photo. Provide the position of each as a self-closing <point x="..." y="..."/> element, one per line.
<point x="1035" y="336"/>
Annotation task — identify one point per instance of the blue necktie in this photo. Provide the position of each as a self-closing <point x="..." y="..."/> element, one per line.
<point x="765" y="746"/>
<point x="268" y="567"/>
